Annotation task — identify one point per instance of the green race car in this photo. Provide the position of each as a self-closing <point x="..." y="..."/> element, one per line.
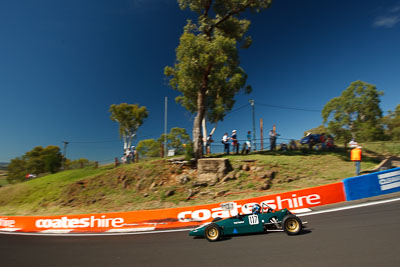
<point x="261" y="220"/>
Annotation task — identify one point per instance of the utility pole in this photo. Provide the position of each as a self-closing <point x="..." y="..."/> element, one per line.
<point x="262" y="134"/>
<point x="165" y="127"/>
<point x="64" y="154"/>
<point x="254" y="124"/>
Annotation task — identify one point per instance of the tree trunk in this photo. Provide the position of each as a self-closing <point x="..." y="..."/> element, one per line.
<point x="197" y="136"/>
<point x="201" y="112"/>
<point x="213" y="129"/>
<point x="205" y="133"/>
<point x="204" y="128"/>
<point x="125" y="138"/>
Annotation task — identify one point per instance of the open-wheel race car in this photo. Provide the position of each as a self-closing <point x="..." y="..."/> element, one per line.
<point x="262" y="219"/>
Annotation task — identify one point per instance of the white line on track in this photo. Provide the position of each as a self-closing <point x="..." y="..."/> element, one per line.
<point x="349" y="207"/>
<point x="183" y="230"/>
<point x="128" y="230"/>
<point x="99" y="234"/>
<point x="9" y="229"/>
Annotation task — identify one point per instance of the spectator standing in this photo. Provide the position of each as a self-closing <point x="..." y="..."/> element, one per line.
<point x="123" y="159"/>
<point x="329" y="143"/>
<point x="235" y="143"/>
<point x="128" y="155"/>
<point x="225" y="141"/>
<point x="292" y="145"/>
<point x="247" y="144"/>
<point x="272" y="140"/>
<point x="208" y="144"/>
<point x="355" y="155"/>
<point x="353" y="143"/>
<point x="322" y="140"/>
<point x="133" y="153"/>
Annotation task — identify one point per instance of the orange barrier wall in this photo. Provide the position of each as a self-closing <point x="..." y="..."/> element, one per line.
<point x="149" y="220"/>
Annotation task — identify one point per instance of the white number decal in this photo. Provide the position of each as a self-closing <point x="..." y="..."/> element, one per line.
<point x="253" y="219"/>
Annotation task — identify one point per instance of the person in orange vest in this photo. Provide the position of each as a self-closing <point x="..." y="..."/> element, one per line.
<point x="355" y="155"/>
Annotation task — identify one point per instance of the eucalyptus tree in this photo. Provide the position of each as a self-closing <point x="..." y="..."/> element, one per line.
<point x="37" y="161"/>
<point x="149" y="148"/>
<point x="207" y="71"/>
<point x="355" y="113"/>
<point x="392" y="122"/>
<point x="176" y="138"/>
<point x="130" y="117"/>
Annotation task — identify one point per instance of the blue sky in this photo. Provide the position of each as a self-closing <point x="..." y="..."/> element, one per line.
<point x="63" y="63"/>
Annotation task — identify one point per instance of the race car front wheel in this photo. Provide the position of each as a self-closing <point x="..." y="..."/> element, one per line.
<point x="213" y="232"/>
<point x="292" y="225"/>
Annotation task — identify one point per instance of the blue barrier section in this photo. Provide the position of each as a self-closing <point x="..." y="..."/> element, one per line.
<point x="374" y="184"/>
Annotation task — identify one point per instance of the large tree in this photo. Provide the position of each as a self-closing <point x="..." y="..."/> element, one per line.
<point x="38" y="160"/>
<point x="149" y="148"/>
<point x="175" y="140"/>
<point x="130" y="117"/>
<point x="207" y="71"/>
<point x="356" y="113"/>
<point x="392" y="123"/>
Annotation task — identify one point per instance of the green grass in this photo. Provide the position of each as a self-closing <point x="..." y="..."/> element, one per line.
<point x="385" y="147"/>
<point x="3" y="178"/>
<point x="28" y="197"/>
<point x="145" y="185"/>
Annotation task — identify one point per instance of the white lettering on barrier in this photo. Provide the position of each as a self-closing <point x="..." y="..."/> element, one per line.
<point x="182" y="216"/>
<point x="218" y="212"/>
<point x="278" y="203"/>
<point x="4" y="222"/>
<point x="201" y="215"/>
<point x="389" y="180"/>
<point x="92" y="222"/>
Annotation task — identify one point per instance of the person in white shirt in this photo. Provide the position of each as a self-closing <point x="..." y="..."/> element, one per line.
<point x="225" y="141"/>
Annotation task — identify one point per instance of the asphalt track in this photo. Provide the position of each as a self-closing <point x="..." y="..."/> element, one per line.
<point x="366" y="236"/>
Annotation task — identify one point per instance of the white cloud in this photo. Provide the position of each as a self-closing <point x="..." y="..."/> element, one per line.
<point x="394" y="9"/>
<point x="386" y="21"/>
<point x="388" y="17"/>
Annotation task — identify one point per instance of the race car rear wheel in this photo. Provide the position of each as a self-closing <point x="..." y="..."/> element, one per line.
<point x="292" y="225"/>
<point x="213" y="232"/>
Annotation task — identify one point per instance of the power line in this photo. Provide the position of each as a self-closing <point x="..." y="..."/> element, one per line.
<point x="237" y="109"/>
<point x="251" y="101"/>
<point x="287" y="107"/>
<point x="64" y="154"/>
<point x="94" y="142"/>
<point x="276" y="106"/>
<point x="105" y="141"/>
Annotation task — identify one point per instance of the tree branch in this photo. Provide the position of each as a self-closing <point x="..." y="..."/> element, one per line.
<point x="207" y="8"/>
<point x="227" y="16"/>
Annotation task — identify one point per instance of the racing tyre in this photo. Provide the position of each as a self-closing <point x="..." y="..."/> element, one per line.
<point x="213" y="232"/>
<point x="292" y="225"/>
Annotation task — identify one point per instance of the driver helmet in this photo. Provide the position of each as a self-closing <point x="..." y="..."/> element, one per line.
<point x="256" y="209"/>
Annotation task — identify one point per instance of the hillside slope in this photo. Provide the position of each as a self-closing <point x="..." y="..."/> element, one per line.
<point x="156" y="183"/>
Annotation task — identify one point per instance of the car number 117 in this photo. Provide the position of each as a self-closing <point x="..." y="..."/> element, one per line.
<point x="253" y="219"/>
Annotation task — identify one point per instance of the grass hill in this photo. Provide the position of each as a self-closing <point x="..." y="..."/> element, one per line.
<point x="3" y="173"/>
<point x="156" y="183"/>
